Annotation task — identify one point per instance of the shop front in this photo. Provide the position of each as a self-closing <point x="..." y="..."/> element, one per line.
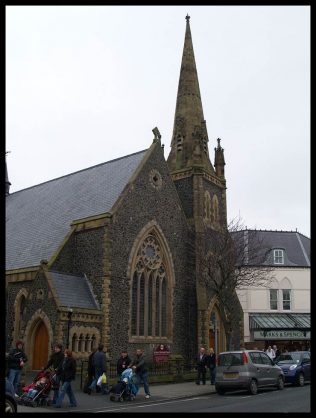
<point x="288" y="331"/>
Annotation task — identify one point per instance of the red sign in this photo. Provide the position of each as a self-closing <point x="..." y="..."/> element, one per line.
<point x="161" y="353"/>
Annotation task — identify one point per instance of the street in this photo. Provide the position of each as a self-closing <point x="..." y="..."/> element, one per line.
<point x="291" y="399"/>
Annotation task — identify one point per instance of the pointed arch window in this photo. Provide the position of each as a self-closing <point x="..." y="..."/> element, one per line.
<point x="215" y="209"/>
<point x="150" y="292"/>
<point x="207" y="206"/>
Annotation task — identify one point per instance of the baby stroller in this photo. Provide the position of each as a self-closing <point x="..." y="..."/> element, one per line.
<point x="125" y="389"/>
<point x="37" y="393"/>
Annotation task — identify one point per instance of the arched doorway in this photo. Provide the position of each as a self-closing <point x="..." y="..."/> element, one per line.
<point x="217" y="338"/>
<point x="40" y="348"/>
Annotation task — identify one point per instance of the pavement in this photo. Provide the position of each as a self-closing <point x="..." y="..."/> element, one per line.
<point x="95" y="401"/>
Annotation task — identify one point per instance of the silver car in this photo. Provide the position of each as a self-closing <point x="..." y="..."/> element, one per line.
<point x="246" y="369"/>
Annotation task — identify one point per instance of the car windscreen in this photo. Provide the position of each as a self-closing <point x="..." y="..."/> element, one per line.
<point x="230" y="359"/>
<point x="289" y="358"/>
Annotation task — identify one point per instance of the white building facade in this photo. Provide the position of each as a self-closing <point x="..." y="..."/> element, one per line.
<point x="280" y="314"/>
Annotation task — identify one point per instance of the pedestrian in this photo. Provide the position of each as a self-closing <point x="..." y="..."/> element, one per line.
<point x="90" y="372"/>
<point x="139" y="366"/>
<point x="201" y="366"/>
<point x="211" y="364"/>
<point x="16" y="360"/>
<point x="270" y="352"/>
<point x="55" y="361"/>
<point x="99" y="365"/>
<point x="277" y="352"/>
<point x="122" y="363"/>
<point x="67" y="372"/>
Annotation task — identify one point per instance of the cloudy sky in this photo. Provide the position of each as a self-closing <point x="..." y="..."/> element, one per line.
<point x="87" y="84"/>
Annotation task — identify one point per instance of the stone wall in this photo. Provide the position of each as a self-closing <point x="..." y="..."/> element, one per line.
<point x="141" y="205"/>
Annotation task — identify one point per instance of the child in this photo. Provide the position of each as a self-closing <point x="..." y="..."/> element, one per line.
<point x="38" y="386"/>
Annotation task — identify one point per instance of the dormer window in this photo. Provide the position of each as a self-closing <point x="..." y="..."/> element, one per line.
<point x="278" y="256"/>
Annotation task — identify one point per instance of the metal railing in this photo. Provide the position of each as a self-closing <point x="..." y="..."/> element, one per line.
<point x="175" y="368"/>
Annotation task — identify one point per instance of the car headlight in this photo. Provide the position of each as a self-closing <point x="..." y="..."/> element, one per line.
<point x="293" y="366"/>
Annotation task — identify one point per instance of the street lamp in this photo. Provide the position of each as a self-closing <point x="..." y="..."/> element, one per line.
<point x="214" y="323"/>
<point x="69" y="322"/>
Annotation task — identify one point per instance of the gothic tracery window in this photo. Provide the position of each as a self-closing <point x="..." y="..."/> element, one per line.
<point x="149" y="291"/>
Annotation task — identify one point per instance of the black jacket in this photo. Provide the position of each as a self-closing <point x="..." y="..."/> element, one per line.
<point x="55" y="361"/>
<point x="122" y="364"/>
<point x="139" y="362"/>
<point x="201" y="363"/>
<point x="99" y="361"/>
<point x="15" y="357"/>
<point x="67" y="370"/>
<point x="211" y="361"/>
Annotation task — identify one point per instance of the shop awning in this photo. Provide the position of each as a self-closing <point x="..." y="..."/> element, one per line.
<point x="280" y="321"/>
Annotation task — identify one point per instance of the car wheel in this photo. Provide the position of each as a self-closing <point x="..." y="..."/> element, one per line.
<point x="300" y="380"/>
<point x="9" y="406"/>
<point x="280" y="383"/>
<point x="220" y="391"/>
<point x="253" y="387"/>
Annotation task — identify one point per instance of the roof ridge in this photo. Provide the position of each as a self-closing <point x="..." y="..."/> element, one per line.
<point x="271" y="230"/>
<point x="75" y="172"/>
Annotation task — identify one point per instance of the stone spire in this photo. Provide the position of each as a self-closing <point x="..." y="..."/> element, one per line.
<point x="189" y="140"/>
<point x="219" y="160"/>
<point x="7" y="183"/>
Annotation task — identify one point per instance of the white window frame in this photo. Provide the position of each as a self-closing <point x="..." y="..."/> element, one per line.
<point x="277" y="299"/>
<point x="278" y="255"/>
<point x="286" y="300"/>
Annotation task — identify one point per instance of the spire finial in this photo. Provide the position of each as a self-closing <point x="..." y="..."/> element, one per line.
<point x="187" y="18"/>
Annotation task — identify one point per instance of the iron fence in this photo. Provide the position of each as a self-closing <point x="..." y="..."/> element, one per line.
<point x="176" y="368"/>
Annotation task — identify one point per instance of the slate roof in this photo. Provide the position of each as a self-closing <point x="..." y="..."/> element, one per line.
<point x="296" y="245"/>
<point x="39" y="217"/>
<point x="73" y="291"/>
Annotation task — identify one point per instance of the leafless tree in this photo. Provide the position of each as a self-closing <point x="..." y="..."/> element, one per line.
<point x="236" y="258"/>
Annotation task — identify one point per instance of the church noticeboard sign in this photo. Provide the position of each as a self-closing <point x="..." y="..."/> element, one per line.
<point x="282" y="335"/>
<point x="161" y="354"/>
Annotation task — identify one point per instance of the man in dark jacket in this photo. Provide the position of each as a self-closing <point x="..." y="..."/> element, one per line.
<point x="201" y="365"/>
<point x="99" y="364"/>
<point x="16" y="361"/>
<point x="55" y="361"/>
<point x="140" y="368"/>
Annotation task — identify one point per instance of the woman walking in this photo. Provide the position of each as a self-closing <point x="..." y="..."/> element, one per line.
<point x="67" y="374"/>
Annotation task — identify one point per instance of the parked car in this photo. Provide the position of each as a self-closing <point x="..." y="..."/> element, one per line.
<point x="10" y="397"/>
<point x="296" y="366"/>
<point x="246" y="369"/>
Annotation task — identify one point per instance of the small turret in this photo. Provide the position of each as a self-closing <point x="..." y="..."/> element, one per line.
<point x="219" y="160"/>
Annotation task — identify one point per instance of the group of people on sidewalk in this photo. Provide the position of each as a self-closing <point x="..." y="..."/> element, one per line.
<point x="64" y="366"/>
<point x="97" y="367"/>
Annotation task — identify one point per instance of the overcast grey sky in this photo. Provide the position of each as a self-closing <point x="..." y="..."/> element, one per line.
<point x="87" y="84"/>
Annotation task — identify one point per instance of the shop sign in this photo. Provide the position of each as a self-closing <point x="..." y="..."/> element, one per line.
<point x="282" y="335"/>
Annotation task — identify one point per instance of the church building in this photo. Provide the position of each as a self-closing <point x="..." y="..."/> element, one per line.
<point x="113" y="253"/>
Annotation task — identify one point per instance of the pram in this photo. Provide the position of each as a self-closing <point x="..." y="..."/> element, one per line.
<point x="41" y="396"/>
<point x="126" y="389"/>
